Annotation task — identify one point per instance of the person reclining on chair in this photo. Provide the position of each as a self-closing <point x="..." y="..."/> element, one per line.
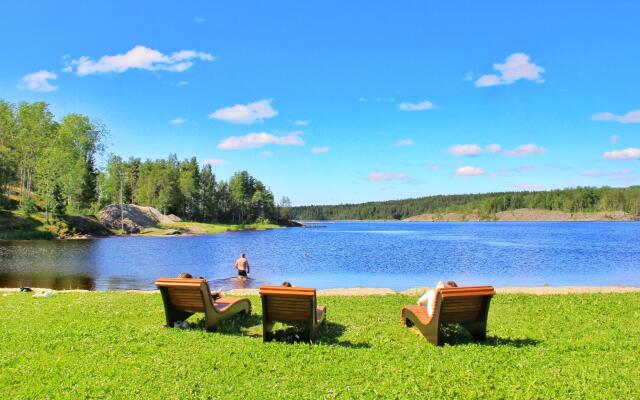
<point x="214" y="295"/>
<point x="430" y="296"/>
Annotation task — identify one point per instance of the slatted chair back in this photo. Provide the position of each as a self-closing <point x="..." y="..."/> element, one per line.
<point x="190" y="295"/>
<point x="464" y="305"/>
<point x="288" y="304"/>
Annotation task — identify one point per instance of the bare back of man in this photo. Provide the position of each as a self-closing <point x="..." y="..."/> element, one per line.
<point x="242" y="265"/>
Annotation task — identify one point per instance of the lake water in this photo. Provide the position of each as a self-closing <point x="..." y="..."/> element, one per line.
<point x="346" y="254"/>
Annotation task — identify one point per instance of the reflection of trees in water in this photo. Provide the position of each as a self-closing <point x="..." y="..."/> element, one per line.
<point x="123" y="283"/>
<point x="49" y="281"/>
<point x="56" y="264"/>
<point x="234" y="283"/>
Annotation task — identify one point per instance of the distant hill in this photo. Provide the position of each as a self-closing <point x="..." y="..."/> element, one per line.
<point x="490" y="206"/>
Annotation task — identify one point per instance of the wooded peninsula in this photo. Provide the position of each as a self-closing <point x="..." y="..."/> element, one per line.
<point x="48" y="173"/>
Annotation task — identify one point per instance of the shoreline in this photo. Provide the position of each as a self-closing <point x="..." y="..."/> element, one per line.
<point x="357" y="291"/>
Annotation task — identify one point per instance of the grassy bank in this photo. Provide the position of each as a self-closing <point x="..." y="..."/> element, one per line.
<point x="205" y="228"/>
<point x="15" y="225"/>
<point x="113" y="345"/>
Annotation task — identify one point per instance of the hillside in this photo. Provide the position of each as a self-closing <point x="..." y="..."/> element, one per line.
<point x="524" y="214"/>
<point x="573" y="204"/>
<point x="15" y="224"/>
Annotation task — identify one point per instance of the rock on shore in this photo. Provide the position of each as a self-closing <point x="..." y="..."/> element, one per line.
<point x="134" y="217"/>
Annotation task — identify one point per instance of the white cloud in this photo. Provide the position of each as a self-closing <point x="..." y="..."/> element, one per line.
<point x="140" y="57"/>
<point x="320" y="149"/>
<point x="68" y="68"/>
<point x="626" y="154"/>
<point x="362" y="99"/>
<point x="517" y="66"/>
<point x="199" y="19"/>
<point x="246" y="113"/>
<point x="494" y="148"/>
<point x="404" y="142"/>
<point x="302" y="122"/>
<point x="266" y="154"/>
<point x="621" y="172"/>
<point x="468" y="76"/>
<point x="183" y="83"/>
<point x="38" y="81"/>
<point x="614" y="138"/>
<point x="423" y="105"/>
<point x="177" y="121"/>
<point x="525" y="150"/>
<point x="215" y="162"/>
<point x="465" y="150"/>
<point x="435" y="167"/>
<point x="512" y="171"/>
<point x="592" y="174"/>
<point x="256" y="140"/>
<point x="632" y="117"/>
<point x="387" y="176"/>
<point x="469" y="171"/>
<point x="529" y="187"/>
<point x="386" y="99"/>
<point x="488" y="80"/>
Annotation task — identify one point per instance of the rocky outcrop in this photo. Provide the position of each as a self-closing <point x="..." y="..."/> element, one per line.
<point x="133" y="218"/>
<point x="85" y="226"/>
<point x="473" y="216"/>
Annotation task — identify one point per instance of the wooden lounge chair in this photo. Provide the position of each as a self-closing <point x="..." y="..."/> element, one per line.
<point x="290" y="305"/>
<point x="184" y="297"/>
<point x="468" y="306"/>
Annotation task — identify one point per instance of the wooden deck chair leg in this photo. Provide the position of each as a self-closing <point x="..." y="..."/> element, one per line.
<point x="210" y="327"/>
<point x="312" y="334"/>
<point x="171" y="314"/>
<point x="266" y="331"/>
<point x="175" y="315"/>
<point x="477" y="330"/>
<point x="406" y="321"/>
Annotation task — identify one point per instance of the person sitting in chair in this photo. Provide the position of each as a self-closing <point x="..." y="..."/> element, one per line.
<point x="214" y="295"/>
<point x="430" y="296"/>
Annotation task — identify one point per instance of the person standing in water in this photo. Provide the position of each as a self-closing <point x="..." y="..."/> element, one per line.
<point x="242" y="265"/>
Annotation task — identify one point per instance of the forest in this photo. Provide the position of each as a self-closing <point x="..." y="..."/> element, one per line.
<point x="580" y="199"/>
<point x="55" y="161"/>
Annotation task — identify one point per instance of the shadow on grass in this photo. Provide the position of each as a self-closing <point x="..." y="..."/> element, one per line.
<point x="251" y="325"/>
<point x="455" y="334"/>
<point x="498" y="341"/>
<point x="241" y="325"/>
<point x="329" y="334"/>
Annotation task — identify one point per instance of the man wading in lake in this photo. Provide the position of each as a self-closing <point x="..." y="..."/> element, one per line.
<point x="242" y="265"/>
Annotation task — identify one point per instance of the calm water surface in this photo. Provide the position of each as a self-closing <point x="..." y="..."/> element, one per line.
<point x="346" y="254"/>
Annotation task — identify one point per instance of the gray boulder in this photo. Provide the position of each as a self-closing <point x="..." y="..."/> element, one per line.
<point x="133" y="218"/>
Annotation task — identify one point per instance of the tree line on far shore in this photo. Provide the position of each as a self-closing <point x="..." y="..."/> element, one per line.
<point x="580" y="199"/>
<point x="56" y="161"/>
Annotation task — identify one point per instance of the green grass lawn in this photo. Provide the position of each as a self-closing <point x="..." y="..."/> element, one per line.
<point x="113" y="345"/>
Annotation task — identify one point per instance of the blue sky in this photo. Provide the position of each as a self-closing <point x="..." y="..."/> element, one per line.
<point x="333" y="102"/>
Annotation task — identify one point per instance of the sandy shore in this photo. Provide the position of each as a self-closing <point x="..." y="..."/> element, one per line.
<point x="537" y="290"/>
